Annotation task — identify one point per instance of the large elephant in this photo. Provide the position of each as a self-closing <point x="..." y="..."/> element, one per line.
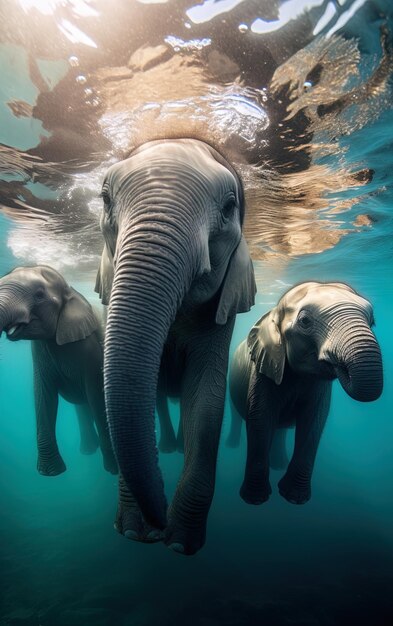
<point x="175" y="270"/>
<point x="67" y="346"/>
<point x="282" y="374"/>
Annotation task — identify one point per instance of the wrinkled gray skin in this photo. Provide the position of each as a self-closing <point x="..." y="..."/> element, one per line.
<point x="282" y="374"/>
<point x="36" y="303"/>
<point x="175" y="270"/>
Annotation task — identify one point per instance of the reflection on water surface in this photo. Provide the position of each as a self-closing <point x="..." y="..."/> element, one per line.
<point x="276" y="100"/>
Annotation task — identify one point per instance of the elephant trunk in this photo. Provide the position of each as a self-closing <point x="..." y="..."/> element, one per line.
<point x="6" y="317"/>
<point x="153" y="272"/>
<point x="359" y="363"/>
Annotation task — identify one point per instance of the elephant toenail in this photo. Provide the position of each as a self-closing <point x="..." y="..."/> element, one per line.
<point x="176" y="547"/>
<point x="154" y="535"/>
<point x="131" y="534"/>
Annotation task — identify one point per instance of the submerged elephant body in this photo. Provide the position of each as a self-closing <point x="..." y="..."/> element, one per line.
<point x="67" y="348"/>
<point x="175" y="270"/>
<point x="282" y="375"/>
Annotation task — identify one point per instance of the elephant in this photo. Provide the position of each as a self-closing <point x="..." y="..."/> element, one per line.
<point x="66" y="337"/>
<point x="175" y="270"/>
<point x="281" y="376"/>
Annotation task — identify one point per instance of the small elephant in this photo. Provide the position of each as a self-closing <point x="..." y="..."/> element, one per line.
<point x="175" y="271"/>
<point x="281" y="376"/>
<point x="67" y="346"/>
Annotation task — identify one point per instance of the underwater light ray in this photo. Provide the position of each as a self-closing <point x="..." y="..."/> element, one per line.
<point x="81" y="8"/>
<point x="346" y="16"/>
<point x="288" y="11"/>
<point x="325" y="19"/>
<point x="209" y="9"/>
<point x="75" y="35"/>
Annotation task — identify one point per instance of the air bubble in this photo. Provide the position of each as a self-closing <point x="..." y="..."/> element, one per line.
<point x="73" y="61"/>
<point x="243" y="28"/>
<point x="81" y="79"/>
<point x="187" y="25"/>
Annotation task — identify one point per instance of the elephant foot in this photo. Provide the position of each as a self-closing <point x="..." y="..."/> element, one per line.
<point x="51" y="467"/>
<point x="130" y="523"/>
<point x="167" y="445"/>
<point x="110" y="463"/>
<point x="255" y="495"/>
<point x="184" y="541"/>
<point x="292" y="492"/>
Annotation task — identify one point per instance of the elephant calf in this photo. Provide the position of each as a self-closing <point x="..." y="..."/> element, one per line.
<point x="36" y="303"/>
<point x="282" y="375"/>
<point x="175" y="271"/>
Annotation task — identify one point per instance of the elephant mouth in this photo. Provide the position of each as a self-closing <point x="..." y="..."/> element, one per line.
<point x="343" y="375"/>
<point x="326" y="370"/>
<point x="15" y="331"/>
<point x="346" y="382"/>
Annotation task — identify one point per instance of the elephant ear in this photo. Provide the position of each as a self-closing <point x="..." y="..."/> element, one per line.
<point x="105" y="276"/>
<point x="76" y="320"/>
<point x="238" y="288"/>
<point x="266" y="347"/>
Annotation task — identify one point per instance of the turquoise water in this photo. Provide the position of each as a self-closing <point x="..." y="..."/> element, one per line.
<point x="327" y="563"/>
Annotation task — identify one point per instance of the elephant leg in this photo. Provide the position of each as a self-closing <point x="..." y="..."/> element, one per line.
<point x="50" y="462"/>
<point x="96" y="402"/>
<point x="295" y="485"/>
<point x="202" y="408"/>
<point x="233" y="439"/>
<point x="278" y="452"/>
<point x="129" y="519"/>
<point x="88" y="436"/>
<point x="167" y="441"/>
<point x="262" y="418"/>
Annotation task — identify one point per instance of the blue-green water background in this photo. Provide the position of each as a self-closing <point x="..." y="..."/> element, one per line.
<point x="328" y="562"/>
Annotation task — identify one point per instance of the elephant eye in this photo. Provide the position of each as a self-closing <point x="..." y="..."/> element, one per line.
<point x="228" y="207"/>
<point x="305" y="320"/>
<point x="39" y="294"/>
<point x="106" y="197"/>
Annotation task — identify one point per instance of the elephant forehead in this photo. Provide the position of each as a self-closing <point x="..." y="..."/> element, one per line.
<point x="33" y="277"/>
<point x="193" y="152"/>
<point x="325" y="295"/>
<point x="157" y="160"/>
<point x="22" y="275"/>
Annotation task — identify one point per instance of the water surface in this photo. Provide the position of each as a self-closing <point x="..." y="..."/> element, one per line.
<point x="298" y="95"/>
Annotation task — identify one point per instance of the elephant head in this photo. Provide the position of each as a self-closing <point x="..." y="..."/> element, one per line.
<point x="172" y="224"/>
<point x="322" y="329"/>
<point x="37" y="303"/>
